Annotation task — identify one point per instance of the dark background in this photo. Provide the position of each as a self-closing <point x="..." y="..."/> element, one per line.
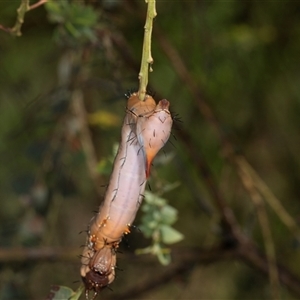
<point x="231" y="72"/>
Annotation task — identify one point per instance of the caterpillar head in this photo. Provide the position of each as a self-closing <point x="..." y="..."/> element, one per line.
<point x="100" y="271"/>
<point x="94" y="281"/>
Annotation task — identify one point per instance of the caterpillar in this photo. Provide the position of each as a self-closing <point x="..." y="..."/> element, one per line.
<point x="146" y="129"/>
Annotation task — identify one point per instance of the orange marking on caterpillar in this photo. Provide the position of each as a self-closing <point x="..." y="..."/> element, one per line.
<point x="127" y="230"/>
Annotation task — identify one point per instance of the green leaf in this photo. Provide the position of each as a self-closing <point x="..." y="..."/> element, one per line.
<point x="170" y="235"/>
<point x="147" y="232"/>
<point x="164" y="258"/>
<point x="168" y="214"/>
<point x="55" y="12"/>
<point x="154" y="199"/>
<point x="59" y="292"/>
<point x="156" y="221"/>
<point x="77" y="22"/>
<point x="78" y="293"/>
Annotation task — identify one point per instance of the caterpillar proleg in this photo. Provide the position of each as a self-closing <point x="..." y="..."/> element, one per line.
<point x="146" y="129"/>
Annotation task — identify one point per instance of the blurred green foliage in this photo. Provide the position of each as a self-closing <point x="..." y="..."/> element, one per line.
<point x="243" y="55"/>
<point x="76" y="21"/>
<point x="156" y="221"/>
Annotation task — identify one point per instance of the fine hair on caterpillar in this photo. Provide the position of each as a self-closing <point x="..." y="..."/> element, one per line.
<point x="145" y="130"/>
<point x="132" y="91"/>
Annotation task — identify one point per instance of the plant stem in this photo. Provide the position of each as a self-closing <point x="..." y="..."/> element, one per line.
<point x="147" y="59"/>
<point x="21" y="11"/>
<point x="24" y="7"/>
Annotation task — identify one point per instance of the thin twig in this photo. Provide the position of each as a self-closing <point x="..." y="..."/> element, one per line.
<point x="5" y="29"/>
<point x="86" y="139"/>
<point x="229" y="221"/>
<point x="11" y="255"/>
<point x="273" y="201"/>
<point x="264" y="224"/>
<point x="147" y="59"/>
<point x="185" y="76"/>
<point x="185" y="260"/>
<point x="253" y="258"/>
<point x="41" y="2"/>
<point x="182" y="256"/>
<point x="21" y="11"/>
<point x="69" y="61"/>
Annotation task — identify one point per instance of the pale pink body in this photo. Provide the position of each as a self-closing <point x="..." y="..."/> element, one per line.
<point x="127" y="183"/>
<point x="145" y="131"/>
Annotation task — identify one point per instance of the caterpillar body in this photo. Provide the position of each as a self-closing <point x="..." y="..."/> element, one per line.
<point x="146" y="129"/>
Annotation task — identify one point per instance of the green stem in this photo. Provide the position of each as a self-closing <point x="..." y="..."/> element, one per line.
<point x="21" y="11"/>
<point x="24" y="7"/>
<point x="147" y="59"/>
